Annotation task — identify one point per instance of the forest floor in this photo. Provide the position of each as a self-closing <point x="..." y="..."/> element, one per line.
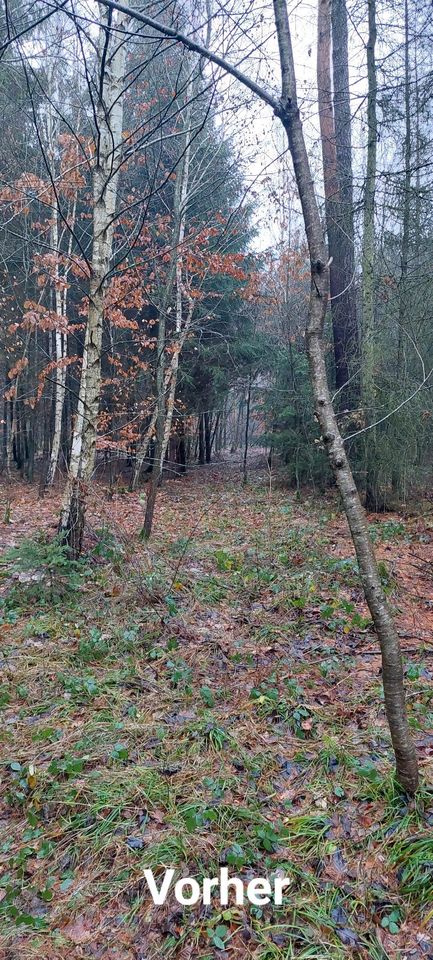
<point x="211" y="698"/>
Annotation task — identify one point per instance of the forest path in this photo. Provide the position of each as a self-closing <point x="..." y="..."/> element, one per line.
<point x="212" y="697"/>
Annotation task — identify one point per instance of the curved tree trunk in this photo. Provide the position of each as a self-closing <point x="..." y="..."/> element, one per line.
<point x="392" y="666"/>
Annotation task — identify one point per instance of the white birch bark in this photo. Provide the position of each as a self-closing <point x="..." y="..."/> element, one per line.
<point x="60" y="348"/>
<point x="180" y="334"/>
<point x="109" y="117"/>
<point x="61" y="345"/>
<point x="175" y="280"/>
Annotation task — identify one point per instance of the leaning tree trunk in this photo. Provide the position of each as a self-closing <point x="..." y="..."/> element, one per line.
<point x="105" y="179"/>
<point x="392" y="667"/>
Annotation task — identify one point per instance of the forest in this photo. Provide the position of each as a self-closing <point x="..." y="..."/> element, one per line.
<point x="216" y="461"/>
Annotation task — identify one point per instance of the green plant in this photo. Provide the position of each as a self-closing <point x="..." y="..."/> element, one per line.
<point x="107" y="546"/>
<point x="390" y="530"/>
<point x="120" y="752"/>
<point x="215" y="736"/>
<point x="80" y="687"/>
<point x="269" y="703"/>
<point x="237" y="856"/>
<point x="391" y="921"/>
<point x="180" y="674"/>
<point x="7" y="616"/>
<point x="413" y="671"/>
<point x="23" y="783"/>
<point x="219" y="936"/>
<point x="207" y="696"/>
<point x="94" y="647"/>
<point x="413" y="856"/>
<point x="45" y="569"/>
<point x="67" y="767"/>
<point x="226" y="561"/>
<point x="268" y="838"/>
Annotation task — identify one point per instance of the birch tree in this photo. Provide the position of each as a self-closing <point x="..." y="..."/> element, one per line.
<point x="60" y="239"/>
<point x="165" y="405"/>
<point x="107" y="159"/>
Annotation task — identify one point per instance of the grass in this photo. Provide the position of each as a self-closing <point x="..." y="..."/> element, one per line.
<point x="199" y="703"/>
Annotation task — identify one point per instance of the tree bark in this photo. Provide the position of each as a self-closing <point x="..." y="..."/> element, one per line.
<point x="247" y="433"/>
<point x="344" y="306"/>
<point x="201" y="445"/>
<point x="105" y="180"/>
<point x="397" y="470"/>
<point x="373" y="500"/>
<point x="61" y="352"/>
<point x="392" y="667"/>
<point x="208" y="436"/>
<point x="165" y="409"/>
<point x="332" y="196"/>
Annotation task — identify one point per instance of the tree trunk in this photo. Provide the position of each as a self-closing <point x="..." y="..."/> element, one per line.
<point x="165" y="410"/>
<point x="397" y="470"/>
<point x="105" y="180"/>
<point x="344" y="307"/>
<point x="336" y="152"/>
<point x="332" y="198"/>
<point x="237" y="433"/>
<point x="181" y="449"/>
<point x="9" y="435"/>
<point x="208" y="437"/>
<point x="215" y="433"/>
<point x="61" y="351"/>
<point x="247" y="433"/>
<point x="201" y="446"/>
<point x="373" y="496"/>
<point x="392" y="667"/>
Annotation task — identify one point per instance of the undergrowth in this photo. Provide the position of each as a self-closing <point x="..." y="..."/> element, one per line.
<point x="201" y="703"/>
